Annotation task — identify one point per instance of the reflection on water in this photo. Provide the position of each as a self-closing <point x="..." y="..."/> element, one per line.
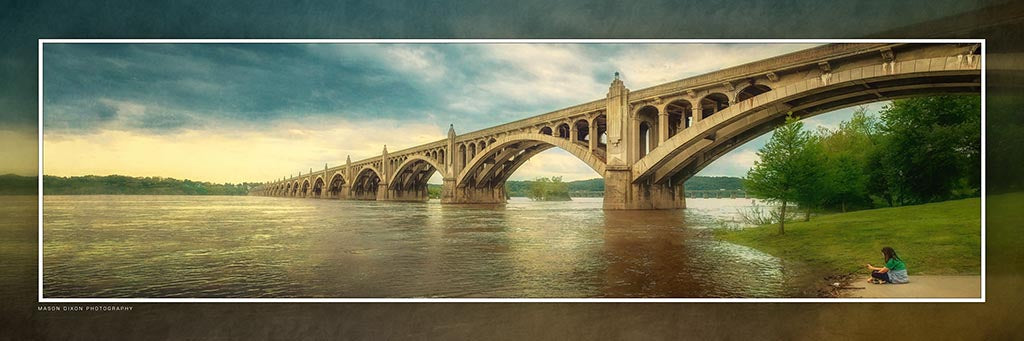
<point x="183" y="246"/>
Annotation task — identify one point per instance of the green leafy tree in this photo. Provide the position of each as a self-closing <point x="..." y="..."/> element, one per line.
<point x="847" y="151"/>
<point x="813" y="190"/>
<point x="548" y="189"/>
<point x="932" y="147"/>
<point x="783" y="168"/>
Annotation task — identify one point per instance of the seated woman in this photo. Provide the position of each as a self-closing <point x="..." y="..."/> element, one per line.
<point x="895" y="271"/>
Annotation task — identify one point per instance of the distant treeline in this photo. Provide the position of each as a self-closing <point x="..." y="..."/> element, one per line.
<point x="595" y="187"/>
<point x="11" y="184"/>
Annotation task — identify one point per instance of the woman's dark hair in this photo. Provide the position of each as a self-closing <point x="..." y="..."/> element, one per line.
<point x="890" y="254"/>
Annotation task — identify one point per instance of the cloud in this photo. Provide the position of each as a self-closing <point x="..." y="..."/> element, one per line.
<point x="273" y="109"/>
<point x="663" y="63"/>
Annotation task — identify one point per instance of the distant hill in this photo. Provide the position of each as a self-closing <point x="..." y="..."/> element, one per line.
<point x="714" y="183"/>
<point x="11" y="184"/>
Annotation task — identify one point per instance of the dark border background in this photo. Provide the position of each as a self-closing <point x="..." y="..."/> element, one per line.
<point x="22" y="23"/>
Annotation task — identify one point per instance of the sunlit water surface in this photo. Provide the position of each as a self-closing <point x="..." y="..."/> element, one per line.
<point x="208" y="247"/>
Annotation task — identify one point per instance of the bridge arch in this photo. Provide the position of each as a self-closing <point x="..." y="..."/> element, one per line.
<point x="318" y="187"/>
<point x="366" y="183"/>
<point x="647" y="129"/>
<point x="582" y="128"/>
<point x="680" y="115"/>
<point x="414" y="172"/>
<point x="563" y="131"/>
<point x="686" y="154"/>
<point x="712" y="103"/>
<point x="751" y="90"/>
<point x="305" y="188"/>
<point x="336" y="186"/>
<point x="503" y="157"/>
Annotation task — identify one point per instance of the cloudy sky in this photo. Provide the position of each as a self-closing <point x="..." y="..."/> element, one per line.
<point x="257" y="112"/>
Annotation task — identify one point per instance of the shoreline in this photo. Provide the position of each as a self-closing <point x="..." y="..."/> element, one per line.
<point x="934" y="238"/>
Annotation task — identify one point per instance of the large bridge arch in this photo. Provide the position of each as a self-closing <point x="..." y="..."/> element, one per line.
<point x="684" y="155"/>
<point x="410" y="164"/>
<point x="317" y="190"/>
<point x="483" y="178"/>
<point x="409" y="180"/>
<point x="366" y="184"/>
<point x="513" y="150"/>
<point x="304" y="191"/>
<point x="337" y="185"/>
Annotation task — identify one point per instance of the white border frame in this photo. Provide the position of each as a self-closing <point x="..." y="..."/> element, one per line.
<point x="509" y="300"/>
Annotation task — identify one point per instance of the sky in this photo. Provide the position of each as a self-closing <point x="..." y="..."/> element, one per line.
<point x="258" y="112"/>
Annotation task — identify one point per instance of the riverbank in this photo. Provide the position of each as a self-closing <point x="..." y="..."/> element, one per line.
<point x="934" y="239"/>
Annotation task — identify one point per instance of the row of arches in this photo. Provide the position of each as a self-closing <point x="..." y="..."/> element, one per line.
<point x="682" y="114"/>
<point x="468" y="150"/>
<point x="581" y="131"/>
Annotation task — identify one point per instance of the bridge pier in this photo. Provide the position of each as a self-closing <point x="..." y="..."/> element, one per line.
<point x="408" y="195"/>
<point x="451" y="194"/>
<point x="343" y="192"/>
<point x="620" y="193"/>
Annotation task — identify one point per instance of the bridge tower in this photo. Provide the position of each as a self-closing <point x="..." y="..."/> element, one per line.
<point x="450" y="172"/>
<point x="382" y="187"/>
<point x="621" y="191"/>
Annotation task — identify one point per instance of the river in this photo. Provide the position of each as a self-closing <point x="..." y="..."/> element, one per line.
<point x="260" y="247"/>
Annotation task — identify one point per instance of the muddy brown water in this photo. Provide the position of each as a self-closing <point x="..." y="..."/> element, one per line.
<point x="258" y="247"/>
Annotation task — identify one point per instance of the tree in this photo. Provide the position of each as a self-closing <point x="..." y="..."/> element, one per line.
<point x="784" y="167"/>
<point x="813" y="190"/>
<point x="548" y="189"/>
<point x="847" y="153"/>
<point x="933" y="147"/>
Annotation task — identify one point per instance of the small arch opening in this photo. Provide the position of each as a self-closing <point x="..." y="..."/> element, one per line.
<point x="713" y="103"/>
<point x="680" y="116"/>
<point x="582" y="130"/>
<point x="647" y="128"/>
<point x="751" y="91"/>
<point x="563" y="130"/>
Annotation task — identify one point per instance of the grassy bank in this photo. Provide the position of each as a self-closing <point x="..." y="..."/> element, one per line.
<point x="934" y="239"/>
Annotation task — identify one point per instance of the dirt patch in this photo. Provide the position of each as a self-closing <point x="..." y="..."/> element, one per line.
<point x="919" y="287"/>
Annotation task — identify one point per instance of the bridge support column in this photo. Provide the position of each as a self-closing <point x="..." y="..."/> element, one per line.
<point x="412" y="195"/>
<point x="382" y="192"/>
<point x="620" y="193"/>
<point x="343" y="192"/>
<point x="662" y="126"/>
<point x="451" y="194"/>
<point x="594" y="136"/>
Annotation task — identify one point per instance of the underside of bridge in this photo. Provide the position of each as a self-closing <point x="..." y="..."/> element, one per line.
<point x="647" y="143"/>
<point x="409" y="183"/>
<point x="366" y="185"/>
<point x="484" y="181"/>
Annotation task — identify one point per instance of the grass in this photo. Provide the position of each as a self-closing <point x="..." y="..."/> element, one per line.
<point x="934" y="239"/>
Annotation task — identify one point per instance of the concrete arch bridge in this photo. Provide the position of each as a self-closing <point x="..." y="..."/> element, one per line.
<point x="646" y="143"/>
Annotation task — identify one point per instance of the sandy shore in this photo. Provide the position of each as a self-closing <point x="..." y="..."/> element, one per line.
<point x="919" y="287"/>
